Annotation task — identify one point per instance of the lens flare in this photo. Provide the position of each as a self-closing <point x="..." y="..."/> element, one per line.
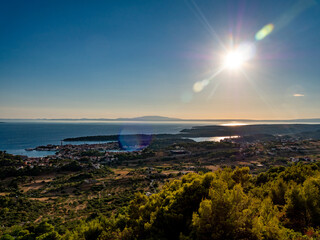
<point x="200" y="85"/>
<point x="134" y="138"/>
<point x="134" y="142"/>
<point x="263" y="32"/>
<point x="247" y="50"/>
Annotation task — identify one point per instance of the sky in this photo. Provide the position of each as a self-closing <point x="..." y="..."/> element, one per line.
<point x="124" y="58"/>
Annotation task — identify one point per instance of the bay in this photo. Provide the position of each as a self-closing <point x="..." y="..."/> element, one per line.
<point x="16" y="136"/>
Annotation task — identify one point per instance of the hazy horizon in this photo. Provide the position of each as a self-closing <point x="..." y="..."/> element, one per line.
<point x="160" y="118"/>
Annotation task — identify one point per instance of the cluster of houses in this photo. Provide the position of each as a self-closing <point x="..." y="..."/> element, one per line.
<point x="31" y="162"/>
<point x="69" y="150"/>
<point x="74" y="152"/>
<point x="280" y="148"/>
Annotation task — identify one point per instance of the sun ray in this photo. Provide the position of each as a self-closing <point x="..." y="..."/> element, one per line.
<point x="200" y="85"/>
<point x="199" y="14"/>
<point x="214" y="89"/>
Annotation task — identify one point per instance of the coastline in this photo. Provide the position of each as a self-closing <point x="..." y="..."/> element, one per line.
<point x="82" y="133"/>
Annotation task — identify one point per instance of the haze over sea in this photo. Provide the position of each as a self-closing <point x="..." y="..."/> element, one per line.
<point x="16" y="136"/>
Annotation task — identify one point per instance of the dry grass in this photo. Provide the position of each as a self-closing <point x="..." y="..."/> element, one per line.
<point x="213" y="167"/>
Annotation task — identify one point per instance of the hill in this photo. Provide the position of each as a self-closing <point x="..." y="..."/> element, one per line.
<point x="282" y="203"/>
<point x="149" y="118"/>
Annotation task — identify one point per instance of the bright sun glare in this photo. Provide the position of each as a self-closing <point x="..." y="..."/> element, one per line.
<point x="234" y="60"/>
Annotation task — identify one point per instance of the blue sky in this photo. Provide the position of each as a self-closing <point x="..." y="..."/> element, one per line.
<point x="124" y="58"/>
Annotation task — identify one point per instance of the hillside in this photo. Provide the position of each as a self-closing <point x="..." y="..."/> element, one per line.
<point x="168" y="190"/>
<point x="283" y="203"/>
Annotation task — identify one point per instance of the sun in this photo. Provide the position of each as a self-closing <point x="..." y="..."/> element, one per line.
<point x="234" y="60"/>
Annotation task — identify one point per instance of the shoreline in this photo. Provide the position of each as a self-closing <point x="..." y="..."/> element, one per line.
<point x="250" y="133"/>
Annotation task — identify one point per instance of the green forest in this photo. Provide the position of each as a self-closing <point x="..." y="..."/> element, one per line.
<point x="282" y="203"/>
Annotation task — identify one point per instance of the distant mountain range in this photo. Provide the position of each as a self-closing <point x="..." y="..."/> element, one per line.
<point x="149" y="118"/>
<point x="144" y="118"/>
<point x="168" y="119"/>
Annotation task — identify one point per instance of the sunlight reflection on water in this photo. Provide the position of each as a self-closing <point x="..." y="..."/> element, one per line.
<point x="212" y="139"/>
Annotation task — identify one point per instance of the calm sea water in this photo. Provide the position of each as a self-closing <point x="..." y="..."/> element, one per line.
<point x="15" y="137"/>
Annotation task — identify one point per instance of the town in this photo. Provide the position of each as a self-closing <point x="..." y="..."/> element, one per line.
<point x="256" y="153"/>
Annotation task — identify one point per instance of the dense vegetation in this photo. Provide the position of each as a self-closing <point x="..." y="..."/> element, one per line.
<point x="302" y="130"/>
<point x="282" y="203"/>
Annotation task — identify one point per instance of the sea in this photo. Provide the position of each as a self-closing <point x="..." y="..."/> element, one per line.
<point x="17" y="136"/>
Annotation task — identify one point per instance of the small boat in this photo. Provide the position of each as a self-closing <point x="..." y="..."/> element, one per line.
<point x="29" y="149"/>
